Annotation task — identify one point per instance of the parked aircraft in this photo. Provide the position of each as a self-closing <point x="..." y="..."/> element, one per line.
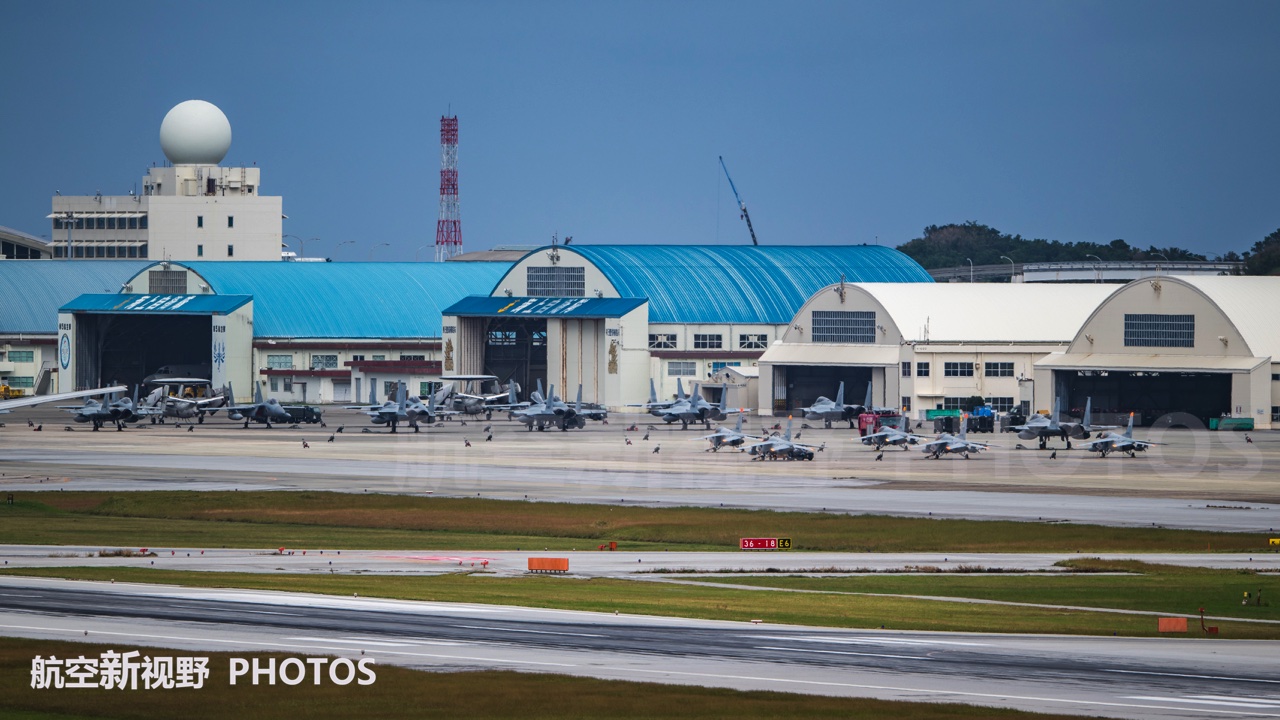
<point x="889" y="435"/>
<point x="554" y="412"/>
<point x="117" y="411"/>
<point x="946" y="443"/>
<point x="182" y="407"/>
<point x="263" y="411"/>
<point x="404" y="409"/>
<point x="695" y="409"/>
<point x="469" y="403"/>
<point x="828" y="410"/>
<point x="659" y="407"/>
<point x="172" y="373"/>
<point x="1109" y="442"/>
<point x="1044" y="428"/>
<point x="724" y="436"/>
<point x="774" y="448"/>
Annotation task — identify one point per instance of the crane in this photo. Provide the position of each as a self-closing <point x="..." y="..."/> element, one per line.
<point x="741" y="205"/>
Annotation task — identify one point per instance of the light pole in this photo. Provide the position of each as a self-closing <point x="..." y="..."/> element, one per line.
<point x="1166" y="259"/>
<point x="970" y="269"/>
<point x="415" y="252"/>
<point x="301" y="244"/>
<point x="375" y="247"/>
<point x="339" y="245"/>
<point x="1097" y="271"/>
<point x="68" y="219"/>
<point x="1012" y="267"/>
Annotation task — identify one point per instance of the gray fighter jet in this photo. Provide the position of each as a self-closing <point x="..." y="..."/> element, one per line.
<point x="263" y="411"/>
<point x="553" y="412"/>
<point x="33" y="400"/>
<point x="1109" y="442"/>
<point x="695" y="409"/>
<point x="783" y="447"/>
<point x="658" y="407"/>
<point x="889" y="435"/>
<point x="404" y="409"/>
<point x="1045" y="428"/>
<point x="946" y="443"/>
<point x="726" y="437"/>
<point x="118" y="411"/>
<point x="828" y="410"/>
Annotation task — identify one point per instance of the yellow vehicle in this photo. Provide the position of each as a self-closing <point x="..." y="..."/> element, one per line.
<point x="7" y="393"/>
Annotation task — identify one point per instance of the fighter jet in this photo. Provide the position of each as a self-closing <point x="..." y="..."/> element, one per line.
<point x="658" y="407"/>
<point x="404" y="409"/>
<point x="1044" y="428"/>
<point x="32" y="400"/>
<point x="117" y="411"/>
<point x="181" y="407"/>
<point x="1109" y="442"/>
<point x="263" y="411"/>
<point x="725" y="437"/>
<point x="946" y="443"/>
<point x="775" y="448"/>
<point x="828" y="410"/>
<point x="553" y="412"/>
<point x="695" y="409"/>
<point x="890" y="435"/>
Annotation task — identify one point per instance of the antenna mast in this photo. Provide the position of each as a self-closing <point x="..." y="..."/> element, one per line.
<point x="449" y="224"/>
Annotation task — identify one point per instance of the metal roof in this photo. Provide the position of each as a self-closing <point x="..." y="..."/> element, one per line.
<point x="348" y="300"/>
<point x="737" y="283"/>
<point x="31" y="291"/>
<point x="1149" y="361"/>
<point x="1248" y="302"/>
<point x="485" y="306"/>
<point x="987" y="312"/>
<point x="156" y="304"/>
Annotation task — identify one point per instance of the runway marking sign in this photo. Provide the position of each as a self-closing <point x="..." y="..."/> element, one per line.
<point x="764" y="543"/>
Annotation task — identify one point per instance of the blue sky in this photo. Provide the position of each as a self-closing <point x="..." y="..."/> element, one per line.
<point x="841" y="122"/>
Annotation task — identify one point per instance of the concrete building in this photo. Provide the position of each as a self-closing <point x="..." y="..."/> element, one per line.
<point x="17" y="245"/>
<point x="306" y="332"/>
<point x="1176" y="350"/>
<point x="923" y="345"/>
<point x="613" y="316"/>
<point x="193" y="209"/>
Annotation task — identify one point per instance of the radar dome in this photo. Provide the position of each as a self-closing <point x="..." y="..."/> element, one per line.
<point x="195" y="133"/>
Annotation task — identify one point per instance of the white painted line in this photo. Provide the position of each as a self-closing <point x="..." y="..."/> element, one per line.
<point x="535" y="632"/>
<point x="843" y="652"/>
<point x="865" y="640"/>
<point x="1271" y="702"/>
<point x="413" y="641"/>
<point x="353" y="642"/>
<point x="1197" y="677"/>
<point x="17" y="595"/>
<point x="1228" y="703"/>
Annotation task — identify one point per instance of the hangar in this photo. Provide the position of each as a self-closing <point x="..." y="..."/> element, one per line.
<point x="308" y="332"/>
<point x="924" y="345"/>
<point x="1202" y="345"/>
<point x="611" y="317"/>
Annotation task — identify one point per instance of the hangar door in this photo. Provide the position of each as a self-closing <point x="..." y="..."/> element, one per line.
<point x="805" y="383"/>
<point x="122" y="339"/>
<point x="1150" y="395"/>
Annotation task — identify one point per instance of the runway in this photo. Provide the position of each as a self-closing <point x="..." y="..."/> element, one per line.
<point x="1112" y="677"/>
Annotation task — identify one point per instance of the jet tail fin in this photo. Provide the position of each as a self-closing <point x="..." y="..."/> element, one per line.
<point x="578" y="405"/>
<point x="257" y="393"/>
<point x="738" y="427"/>
<point x="402" y="394"/>
<point x="679" y="389"/>
<point x="724" y="395"/>
<point x="653" y="392"/>
<point x="1088" y="411"/>
<point x="1129" y="430"/>
<point x="840" y="395"/>
<point x="231" y="394"/>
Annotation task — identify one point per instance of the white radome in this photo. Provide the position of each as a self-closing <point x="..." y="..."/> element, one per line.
<point x="195" y="132"/>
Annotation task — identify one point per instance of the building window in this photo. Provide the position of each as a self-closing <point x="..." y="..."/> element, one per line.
<point x="280" y="362"/>
<point x="718" y="366"/>
<point x="426" y="387"/>
<point x="389" y="388"/>
<point x="841" y="326"/>
<point x="288" y="385"/>
<point x="133" y="223"/>
<point x="275" y="384"/>
<point x="555" y="281"/>
<point x="906" y="404"/>
<point x="199" y="221"/>
<point x="199" y="251"/>
<point x="707" y="342"/>
<point x="167" y="282"/>
<point x="418" y="358"/>
<point x="997" y="369"/>
<point x="231" y="221"/>
<point x="1275" y="377"/>
<point x="142" y="251"/>
<point x="1001" y="404"/>
<point x="957" y="369"/>
<point x="955" y="403"/>
<point x="682" y="367"/>
<point x="753" y="341"/>
<point x="357" y="358"/>
<point x="23" y="356"/>
<point x="501" y="337"/>
<point x="142" y="223"/>
<point x="922" y="369"/>
<point x="21" y="382"/>
<point x="231" y="251"/>
<point x="377" y="358"/>
<point x="1149" y="330"/>
<point x="906" y="369"/>
<point x="324" y="362"/>
<point x="662" y="341"/>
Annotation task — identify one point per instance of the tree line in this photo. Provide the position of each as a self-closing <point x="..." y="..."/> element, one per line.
<point x="954" y="245"/>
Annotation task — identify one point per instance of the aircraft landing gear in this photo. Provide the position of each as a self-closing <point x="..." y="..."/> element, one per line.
<point x="246" y="425"/>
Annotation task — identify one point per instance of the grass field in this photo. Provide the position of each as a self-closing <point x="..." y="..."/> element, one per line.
<point x="404" y="693"/>
<point x="391" y="522"/>
<point x="833" y="609"/>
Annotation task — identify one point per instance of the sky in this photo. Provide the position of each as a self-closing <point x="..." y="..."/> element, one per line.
<point x="841" y="122"/>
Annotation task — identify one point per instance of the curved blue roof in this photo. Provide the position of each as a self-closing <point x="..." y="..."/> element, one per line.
<point x="349" y="300"/>
<point x="31" y="291"/>
<point x="737" y="283"/>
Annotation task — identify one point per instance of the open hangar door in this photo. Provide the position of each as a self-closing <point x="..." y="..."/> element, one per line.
<point x="1151" y="395"/>
<point x="805" y="383"/>
<point x="124" y="349"/>
<point x="515" y="348"/>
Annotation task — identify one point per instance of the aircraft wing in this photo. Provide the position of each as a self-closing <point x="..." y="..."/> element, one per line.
<point x="7" y="405"/>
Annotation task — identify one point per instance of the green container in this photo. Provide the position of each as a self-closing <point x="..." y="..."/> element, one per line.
<point x="1234" y="423"/>
<point x="1213" y="423"/>
<point x="931" y="414"/>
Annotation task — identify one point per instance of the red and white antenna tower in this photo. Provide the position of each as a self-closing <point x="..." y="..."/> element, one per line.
<point x="449" y="226"/>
